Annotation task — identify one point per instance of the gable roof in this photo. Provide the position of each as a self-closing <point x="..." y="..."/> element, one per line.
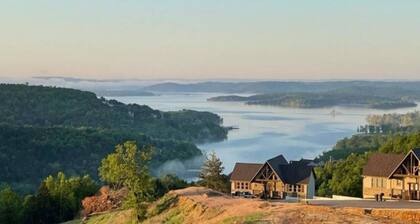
<point x="275" y="164"/>
<point x="416" y="153"/>
<point x="245" y="171"/>
<point x="277" y="160"/>
<point x="382" y="164"/>
<point x="295" y="172"/>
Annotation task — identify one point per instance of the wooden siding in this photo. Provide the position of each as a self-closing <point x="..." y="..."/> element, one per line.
<point x="377" y="185"/>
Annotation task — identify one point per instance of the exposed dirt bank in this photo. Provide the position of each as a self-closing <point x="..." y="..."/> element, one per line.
<point x="201" y="205"/>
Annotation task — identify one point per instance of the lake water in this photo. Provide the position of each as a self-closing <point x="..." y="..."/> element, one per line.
<point x="266" y="131"/>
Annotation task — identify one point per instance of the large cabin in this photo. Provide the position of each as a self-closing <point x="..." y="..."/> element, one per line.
<point x="276" y="178"/>
<point x="393" y="176"/>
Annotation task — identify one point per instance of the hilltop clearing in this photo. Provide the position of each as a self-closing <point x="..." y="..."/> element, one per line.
<point x="201" y="205"/>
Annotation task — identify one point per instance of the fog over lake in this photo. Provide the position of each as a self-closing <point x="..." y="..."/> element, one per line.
<point x="265" y="131"/>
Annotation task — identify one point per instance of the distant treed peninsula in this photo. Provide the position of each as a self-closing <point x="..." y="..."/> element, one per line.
<point x="303" y="94"/>
<point x="319" y="100"/>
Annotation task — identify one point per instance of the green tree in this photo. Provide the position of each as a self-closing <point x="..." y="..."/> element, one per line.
<point x="128" y="167"/>
<point x="212" y="174"/>
<point x="401" y="143"/>
<point x="342" y="177"/>
<point x="41" y="208"/>
<point x="10" y="206"/>
<point x="58" y="199"/>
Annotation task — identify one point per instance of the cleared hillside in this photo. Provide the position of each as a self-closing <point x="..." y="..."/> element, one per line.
<point x="201" y="205"/>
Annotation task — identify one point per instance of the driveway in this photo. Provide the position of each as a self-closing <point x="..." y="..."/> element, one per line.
<point x="367" y="204"/>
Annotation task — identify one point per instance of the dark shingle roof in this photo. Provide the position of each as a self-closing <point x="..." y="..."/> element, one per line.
<point x="382" y="164"/>
<point x="245" y="171"/>
<point x="417" y="152"/>
<point x="295" y="172"/>
<point x="277" y="160"/>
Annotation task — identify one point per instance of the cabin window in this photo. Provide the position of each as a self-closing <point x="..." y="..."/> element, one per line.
<point x="371" y="182"/>
<point x="290" y="188"/>
<point x="399" y="182"/>
<point x="237" y="185"/>
<point x="383" y="182"/>
<point x="378" y="182"/>
<point x="298" y="188"/>
<point x="242" y="185"/>
<point x="246" y="186"/>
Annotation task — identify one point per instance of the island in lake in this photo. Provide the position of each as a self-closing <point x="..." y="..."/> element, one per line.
<point x="321" y="99"/>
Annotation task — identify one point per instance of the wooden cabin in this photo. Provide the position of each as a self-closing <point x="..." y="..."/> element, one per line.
<point x="392" y="175"/>
<point x="276" y="178"/>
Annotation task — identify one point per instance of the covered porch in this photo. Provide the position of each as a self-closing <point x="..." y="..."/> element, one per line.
<point x="407" y="172"/>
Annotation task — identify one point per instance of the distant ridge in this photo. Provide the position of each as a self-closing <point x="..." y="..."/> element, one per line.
<point x="281" y="86"/>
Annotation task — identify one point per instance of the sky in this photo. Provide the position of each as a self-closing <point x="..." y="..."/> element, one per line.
<point x="212" y="39"/>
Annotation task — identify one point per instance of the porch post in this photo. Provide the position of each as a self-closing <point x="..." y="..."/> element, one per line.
<point x="417" y="190"/>
<point x="403" y="189"/>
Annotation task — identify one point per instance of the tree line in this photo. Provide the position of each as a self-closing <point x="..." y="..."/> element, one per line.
<point x="59" y="197"/>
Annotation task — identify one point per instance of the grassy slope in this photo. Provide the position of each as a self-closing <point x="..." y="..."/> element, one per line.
<point x="199" y="205"/>
<point x="115" y="217"/>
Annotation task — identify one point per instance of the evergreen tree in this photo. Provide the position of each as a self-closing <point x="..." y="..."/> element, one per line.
<point x="212" y="174"/>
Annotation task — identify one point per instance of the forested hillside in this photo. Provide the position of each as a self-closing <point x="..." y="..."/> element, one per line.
<point x="44" y="130"/>
<point x="356" y="144"/>
<point x="28" y="154"/>
<point x="46" y="107"/>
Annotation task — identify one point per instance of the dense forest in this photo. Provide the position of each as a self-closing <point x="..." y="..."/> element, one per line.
<point x="356" y="98"/>
<point x="356" y="144"/>
<point x="44" y="130"/>
<point x="28" y="154"/>
<point x="46" y="107"/>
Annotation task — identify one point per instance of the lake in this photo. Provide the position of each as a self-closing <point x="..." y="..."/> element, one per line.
<point x="266" y="131"/>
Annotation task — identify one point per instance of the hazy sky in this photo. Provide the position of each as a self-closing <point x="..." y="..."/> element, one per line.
<point x="197" y="39"/>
